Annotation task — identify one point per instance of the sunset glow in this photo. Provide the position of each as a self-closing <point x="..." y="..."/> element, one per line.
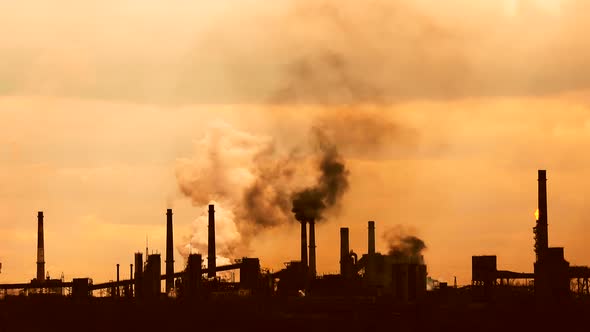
<point x="113" y="111"/>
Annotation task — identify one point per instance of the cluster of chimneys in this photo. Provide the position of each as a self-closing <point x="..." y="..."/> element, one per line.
<point x="169" y="248"/>
<point x="211" y="259"/>
<point x="344" y="245"/>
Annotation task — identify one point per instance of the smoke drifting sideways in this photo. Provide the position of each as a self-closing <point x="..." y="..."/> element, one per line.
<point x="265" y="182"/>
<point x="309" y="203"/>
<point x="403" y="246"/>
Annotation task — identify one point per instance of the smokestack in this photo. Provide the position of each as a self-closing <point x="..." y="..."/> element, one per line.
<point x="371" y="238"/>
<point x="131" y="280"/>
<point x="169" y="252"/>
<point x="312" y="264"/>
<point x="541" y="233"/>
<point x="118" y="288"/>
<point x="40" y="248"/>
<point x="304" y="243"/>
<point x="344" y="250"/>
<point x="211" y="264"/>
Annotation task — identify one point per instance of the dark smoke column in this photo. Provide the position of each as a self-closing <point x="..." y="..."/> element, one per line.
<point x="40" y="248"/>
<point x="309" y="204"/>
<point x="211" y="263"/>
<point x="169" y="252"/>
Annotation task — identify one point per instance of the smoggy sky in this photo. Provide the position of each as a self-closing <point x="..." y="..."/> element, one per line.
<point x="104" y="103"/>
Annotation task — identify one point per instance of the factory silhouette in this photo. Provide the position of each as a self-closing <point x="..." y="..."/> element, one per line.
<point x="373" y="291"/>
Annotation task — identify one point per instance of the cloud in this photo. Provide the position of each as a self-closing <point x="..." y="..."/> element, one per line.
<point x="291" y="51"/>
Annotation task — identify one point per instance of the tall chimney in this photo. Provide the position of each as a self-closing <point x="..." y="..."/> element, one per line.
<point x="40" y="248"/>
<point x="371" y="238"/>
<point x="304" y="243"/>
<point x="541" y="232"/>
<point x="211" y="263"/>
<point x="130" y="279"/>
<point x="312" y="263"/>
<point x="169" y="252"/>
<point x="118" y="288"/>
<point x="344" y="250"/>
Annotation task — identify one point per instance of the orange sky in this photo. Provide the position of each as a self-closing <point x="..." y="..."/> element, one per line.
<point x="100" y="102"/>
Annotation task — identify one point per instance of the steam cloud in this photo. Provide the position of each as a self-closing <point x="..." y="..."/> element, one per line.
<point x="402" y="245"/>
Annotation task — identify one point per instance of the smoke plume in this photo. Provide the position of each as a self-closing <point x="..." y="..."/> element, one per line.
<point x="402" y="245"/>
<point x="309" y="203"/>
<point x="262" y="183"/>
<point x="228" y="242"/>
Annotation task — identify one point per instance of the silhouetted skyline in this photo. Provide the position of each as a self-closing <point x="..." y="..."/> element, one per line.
<point x="442" y="122"/>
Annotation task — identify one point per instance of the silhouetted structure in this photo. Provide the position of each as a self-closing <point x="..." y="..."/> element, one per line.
<point x="211" y="258"/>
<point x="551" y="269"/>
<point x="138" y="279"/>
<point x="484" y="272"/>
<point x="312" y="256"/>
<point x="390" y="287"/>
<point x="304" y="244"/>
<point x="552" y="273"/>
<point x="81" y="288"/>
<point x="152" y="277"/>
<point x="40" y="248"/>
<point x="169" y="252"/>
<point x="192" y="277"/>
<point x="371" y="240"/>
<point x="117" y="293"/>
<point x="540" y="230"/>
<point x="346" y="263"/>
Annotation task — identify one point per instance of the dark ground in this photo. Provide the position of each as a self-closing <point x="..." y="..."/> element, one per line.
<point x="453" y="312"/>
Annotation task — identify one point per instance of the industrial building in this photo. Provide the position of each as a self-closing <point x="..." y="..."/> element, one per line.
<point x="145" y="280"/>
<point x="553" y="280"/>
<point x="401" y="279"/>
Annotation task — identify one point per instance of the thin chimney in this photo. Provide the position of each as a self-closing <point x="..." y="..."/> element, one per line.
<point x="371" y="241"/>
<point x="169" y="252"/>
<point x="541" y="232"/>
<point x="304" y="243"/>
<point x="344" y="250"/>
<point x="211" y="264"/>
<point x="312" y="261"/>
<point x="118" y="289"/>
<point x="40" y="248"/>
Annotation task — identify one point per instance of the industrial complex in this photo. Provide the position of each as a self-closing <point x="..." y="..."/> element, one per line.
<point x="394" y="286"/>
